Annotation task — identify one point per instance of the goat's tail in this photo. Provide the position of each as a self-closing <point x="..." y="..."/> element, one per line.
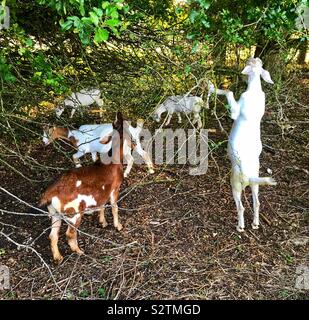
<point x="263" y="181"/>
<point x="44" y="200"/>
<point x="47" y="196"/>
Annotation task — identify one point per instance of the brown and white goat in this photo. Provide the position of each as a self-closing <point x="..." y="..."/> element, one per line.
<point x="83" y="188"/>
<point x="88" y="139"/>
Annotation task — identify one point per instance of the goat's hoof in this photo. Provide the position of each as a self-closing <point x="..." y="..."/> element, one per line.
<point x="78" y="251"/>
<point x="125" y="175"/>
<point x="78" y="166"/>
<point x="119" y="227"/>
<point x="58" y="259"/>
<point x="254" y="226"/>
<point x="151" y="171"/>
<point x="104" y="224"/>
<point x="240" y="229"/>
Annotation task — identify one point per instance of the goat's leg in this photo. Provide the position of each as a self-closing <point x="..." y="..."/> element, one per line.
<point x="94" y="156"/>
<point x="99" y="101"/>
<point x="169" y="119"/>
<point x="145" y="156"/>
<point x="179" y="117"/>
<point x="256" y="206"/>
<point x="237" y="189"/>
<point x="130" y="160"/>
<point x="76" y="157"/>
<point x="54" y="235"/>
<point x="102" y="219"/>
<point x="71" y="234"/>
<point x="113" y="199"/>
<point x="197" y="119"/>
<point x="235" y="108"/>
<point x="72" y="112"/>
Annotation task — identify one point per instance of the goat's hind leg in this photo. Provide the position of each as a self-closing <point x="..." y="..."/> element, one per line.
<point x="197" y="119"/>
<point x="129" y="158"/>
<point x="102" y="219"/>
<point x="237" y="189"/>
<point x="54" y="235"/>
<point x="113" y="199"/>
<point x="71" y="233"/>
<point x="256" y="205"/>
<point x="145" y="156"/>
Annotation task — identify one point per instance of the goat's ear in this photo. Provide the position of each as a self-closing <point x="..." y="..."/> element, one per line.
<point x="106" y="139"/>
<point x="266" y="76"/>
<point x="118" y="123"/>
<point x="247" y="70"/>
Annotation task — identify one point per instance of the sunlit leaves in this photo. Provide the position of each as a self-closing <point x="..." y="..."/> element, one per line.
<point x="101" y="35"/>
<point x="91" y="23"/>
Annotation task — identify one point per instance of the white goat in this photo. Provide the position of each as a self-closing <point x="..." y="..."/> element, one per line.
<point x="180" y="104"/>
<point x="244" y="145"/>
<point x="92" y="139"/>
<point x="80" y="99"/>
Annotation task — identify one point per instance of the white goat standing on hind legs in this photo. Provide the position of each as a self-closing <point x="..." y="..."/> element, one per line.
<point x="244" y="145"/>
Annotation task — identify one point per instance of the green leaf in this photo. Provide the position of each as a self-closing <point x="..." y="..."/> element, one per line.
<point x="193" y="15"/>
<point x="179" y="10"/>
<point x="94" y="18"/>
<point x="82" y="7"/>
<point x="205" y="4"/>
<point x="29" y="42"/>
<point x="101" y="35"/>
<point x="77" y="22"/>
<point x="105" y="4"/>
<point x="195" y="47"/>
<point x="86" y="21"/>
<point x="98" y="11"/>
<point x="112" y="22"/>
<point x="187" y="69"/>
<point x="66" y="25"/>
<point x="112" y="12"/>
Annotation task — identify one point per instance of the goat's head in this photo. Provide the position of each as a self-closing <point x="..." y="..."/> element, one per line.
<point x="48" y="135"/>
<point x="254" y="66"/>
<point x="59" y="110"/>
<point x="158" y="111"/>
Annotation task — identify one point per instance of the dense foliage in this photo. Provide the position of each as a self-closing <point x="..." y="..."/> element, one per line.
<point x="55" y="46"/>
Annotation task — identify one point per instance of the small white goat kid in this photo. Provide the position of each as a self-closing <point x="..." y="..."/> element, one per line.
<point x="244" y="145"/>
<point x="76" y="100"/>
<point x="180" y="104"/>
<point x="93" y="139"/>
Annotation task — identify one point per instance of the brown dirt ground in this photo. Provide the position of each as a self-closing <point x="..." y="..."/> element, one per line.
<point x="179" y="239"/>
